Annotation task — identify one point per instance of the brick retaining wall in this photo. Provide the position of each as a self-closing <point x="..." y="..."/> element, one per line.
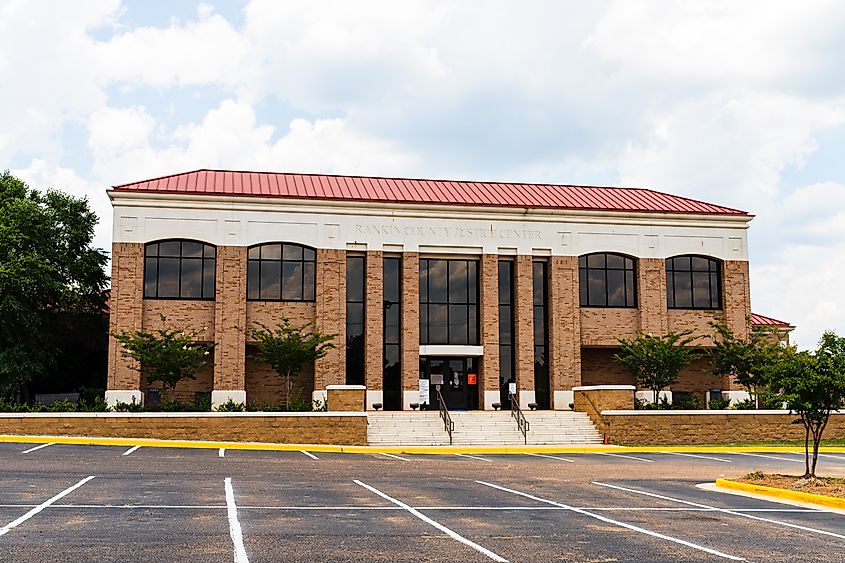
<point x="642" y="428"/>
<point x="280" y="428"/>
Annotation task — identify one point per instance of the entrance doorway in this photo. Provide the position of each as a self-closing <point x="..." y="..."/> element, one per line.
<point x="460" y="381"/>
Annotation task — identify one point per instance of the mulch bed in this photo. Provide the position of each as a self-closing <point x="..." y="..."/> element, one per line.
<point x="829" y="486"/>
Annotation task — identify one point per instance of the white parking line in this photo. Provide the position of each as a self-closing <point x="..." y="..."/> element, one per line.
<point x="309" y="454"/>
<point x="5" y="529"/>
<point x="699" y="456"/>
<point x="768" y="457"/>
<point x="831" y="456"/>
<point x="724" y="510"/>
<point x="130" y="450"/>
<point x="454" y="535"/>
<point x="627" y="456"/>
<point x="221" y="452"/>
<point x="234" y="526"/>
<point x="38" y="447"/>
<point x="553" y="457"/>
<point x="617" y="523"/>
<point x="395" y="457"/>
<point x="474" y="457"/>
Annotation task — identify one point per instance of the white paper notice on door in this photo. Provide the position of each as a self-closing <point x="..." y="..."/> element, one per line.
<point x="424" y="391"/>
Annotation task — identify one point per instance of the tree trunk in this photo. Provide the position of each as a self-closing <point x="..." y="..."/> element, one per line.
<point x="806" y="447"/>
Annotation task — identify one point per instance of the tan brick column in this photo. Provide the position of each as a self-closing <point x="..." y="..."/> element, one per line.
<point x="564" y="330"/>
<point x="410" y="326"/>
<point x="651" y="296"/>
<point x="125" y="313"/>
<point x="736" y="305"/>
<point x="524" y="327"/>
<point x="374" y="325"/>
<point x="229" y="326"/>
<point x="488" y="387"/>
<point x="331" y="316"/>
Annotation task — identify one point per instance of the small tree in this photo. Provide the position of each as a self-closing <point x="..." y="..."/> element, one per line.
<point x="656" y="361"/>
<point x="813" y="386"/>
<point x="166" y="355"/>
<point x="748" y="361"/>
<point x="288" y="348"/>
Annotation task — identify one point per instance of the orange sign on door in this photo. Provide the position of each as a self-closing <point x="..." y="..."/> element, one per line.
<point x="471" y="379"/>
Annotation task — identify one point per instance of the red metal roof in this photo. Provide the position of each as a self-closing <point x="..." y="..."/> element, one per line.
<point x="420" y="191"/>
<point x="762" y="320"/>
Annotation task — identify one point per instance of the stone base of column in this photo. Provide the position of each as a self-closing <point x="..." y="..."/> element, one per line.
<point x="373" y="396"/>
<point x="526" y="396"/>
<point x="320" y="397"/>
<point x="114" y="396"/>
<point x="648" y="396"/>
<point x="563" y="400"/>
<point x="220" y="397"/>
<point x="734" y="396"/>
<point x="413" y="396"/>
<point x="490" y="397"/>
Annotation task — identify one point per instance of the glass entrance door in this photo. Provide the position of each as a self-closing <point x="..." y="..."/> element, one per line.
<point x="460" y="381"/>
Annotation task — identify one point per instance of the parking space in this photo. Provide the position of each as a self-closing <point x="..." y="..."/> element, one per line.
<point x="159" y="504"/>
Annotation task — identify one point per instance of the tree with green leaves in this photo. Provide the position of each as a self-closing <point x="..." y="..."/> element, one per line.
<point x="748" y="361"/>
<point x="49" y="273"/>
<point x="812" y="384"/>
<point x="288" y="348"/>
<point x="167" y="355"/>
<point x="656" y="361"/>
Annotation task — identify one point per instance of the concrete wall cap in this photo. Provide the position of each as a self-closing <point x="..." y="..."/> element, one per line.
<point x="605" y="388"/>
<point x="347" y="387"/>
<point x="178" y="414"/>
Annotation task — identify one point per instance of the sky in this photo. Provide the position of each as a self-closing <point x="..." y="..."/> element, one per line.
<point x="736" y="103"/>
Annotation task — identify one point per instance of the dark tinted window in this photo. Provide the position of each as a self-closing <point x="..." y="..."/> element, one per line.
<point x="179" y="269"/>
<point x="693" y="282"/>
<point x="448" y="301"/>
<point x="281" y="272"/>
<point x="542" y="392"/>
<point x="506" y="332"/>
<point x="607" y="280"/>
<point x="392" y="375"/>
<point x="355" y="320"/>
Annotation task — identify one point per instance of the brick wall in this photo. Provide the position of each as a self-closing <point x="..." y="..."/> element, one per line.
<point x="564" y="323"/>
<point x="410" y="320"/>
<point x="651" y="295"/>
<point x="264" y="386"/>
<point x="126" y="310"/>
<point x="374" y="320"/>
<point x="283" y="428"/>
<point x="346" y="398"/>
<point x="230" y="318"/>
<point x="489" y="280"/>
<point x="713" y="427"/>
<point x="604" y="326"/>
<point x="331" y="315"/>
<point x="186" y="390"/>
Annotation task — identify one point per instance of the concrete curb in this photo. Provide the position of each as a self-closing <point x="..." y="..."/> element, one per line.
<point x="339" y="448"/>
<point x="810" y="498"/>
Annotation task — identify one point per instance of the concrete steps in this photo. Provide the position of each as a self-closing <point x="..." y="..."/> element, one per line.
<point x="484" y="428"/>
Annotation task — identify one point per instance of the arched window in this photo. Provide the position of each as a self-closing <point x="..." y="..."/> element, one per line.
<point x="281" y="272"/>
<point x="179" y="269"/>
<point x="693" y="282"/>
<point x="607" y="280"/>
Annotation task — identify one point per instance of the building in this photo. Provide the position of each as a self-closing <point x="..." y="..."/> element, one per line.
<point x="495" y="286"/>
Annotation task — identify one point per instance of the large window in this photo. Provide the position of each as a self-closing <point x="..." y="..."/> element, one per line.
<point x="541" y="334"/>
<point x="693" y="282"/>
<point x="355" y="319"/>
<point x="607" y="280"/>
<point x="392" y="377"/>
<point x="506" y="331"/>
<point x="179" y="269"/>
<point x="281" y="272"/>
<point x="448" y="301"/>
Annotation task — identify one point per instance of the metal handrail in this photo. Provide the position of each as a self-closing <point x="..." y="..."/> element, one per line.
<point x="516" y="413"/>
<point x="444" y="414"/>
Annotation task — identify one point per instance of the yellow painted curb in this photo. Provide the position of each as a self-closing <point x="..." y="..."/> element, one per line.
<point x="340" y="448"/>
<point x="822" y="500"/>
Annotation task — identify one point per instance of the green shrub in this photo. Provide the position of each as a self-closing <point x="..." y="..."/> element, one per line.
<point x="134" y="406"/>
<point x="231" y="406"/>
<point x="744" y="405"/>
<point x="718" y="404"/>
<point x="202" y="404"/>
<point x="319" y="405"/>
<point x="689" y="402"/>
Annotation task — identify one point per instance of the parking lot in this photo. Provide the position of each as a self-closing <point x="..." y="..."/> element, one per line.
<point x="108" y="503"/>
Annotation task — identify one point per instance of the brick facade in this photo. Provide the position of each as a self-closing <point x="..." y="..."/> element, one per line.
<point x="581" y="340"/>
